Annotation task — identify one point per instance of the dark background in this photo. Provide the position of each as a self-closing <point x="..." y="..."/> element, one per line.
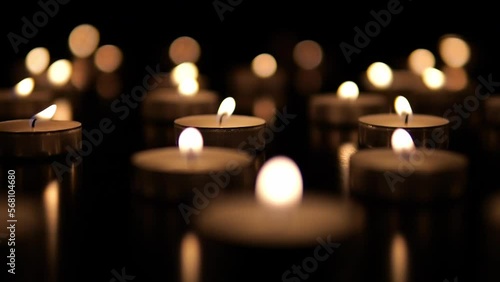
<point x="106" y="229"/>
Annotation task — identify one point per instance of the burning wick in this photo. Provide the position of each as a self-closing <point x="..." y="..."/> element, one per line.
<point x="33" y="121"/>
<point x="221" y="117"/>
<point x="406" y="119"/>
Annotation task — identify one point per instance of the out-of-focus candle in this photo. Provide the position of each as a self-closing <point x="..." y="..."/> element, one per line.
<point x="21" y="101"/>
<point x="343" y="108"/>
<point x="408" y="173"/>
<point x="188" y="171"/>
<point x="376" y="130"/>
<point x="39" y="136"/>
<point x="279" y="224"/>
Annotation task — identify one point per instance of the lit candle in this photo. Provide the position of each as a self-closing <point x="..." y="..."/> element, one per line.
<point x="39" y="136"/>
<point x="183" y="173"/>
<point x="225" y="129"/>
<point x="376" y="130"/>
<point x="278" y="226"/>
<point x="408" y="173"/>
<point x="22" y="100"/>
<point x="165" y="104"/>
<point x="345" y="107"/>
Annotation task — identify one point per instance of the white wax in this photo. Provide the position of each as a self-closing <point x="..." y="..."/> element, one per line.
<point x="396" y="121"/>
<point x="169" y="104"/>
<point x="212" y="121"/>
<point x="330" y="108"/>
<point x="46" y="138"/>
<point x="241" y="219"/>
<point x="427" y="174"/>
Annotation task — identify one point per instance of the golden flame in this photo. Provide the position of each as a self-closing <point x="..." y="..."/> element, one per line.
<point x="188" y="87"/>
<point x="226" y="108"/>
<point x="47" y="113"/>
<point x="401" y="142"/>
<point x="380" y="75"/>
<point x="402" y="106"/>
<point x="24" y="87"/>
<point x="37" y="60"/>
<point x="279" y="182"/>
<point x="190" y="142"/>
<point x="348" y="90"/>
<point x="184" y="71"/>
<point x="264" y="65"/>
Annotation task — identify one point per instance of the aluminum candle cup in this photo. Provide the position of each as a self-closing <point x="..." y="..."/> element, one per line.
<point x="428" y="131"/>
<point x="166" y="174"/>
<point x="424" y="176"/>
<point x="163" y="105"/>
<point x="18" y="138"/>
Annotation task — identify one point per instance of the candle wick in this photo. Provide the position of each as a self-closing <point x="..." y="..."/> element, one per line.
<point x="406" y="119"/>
<point x="33" y="121"/>
<point x="221" y="117"/>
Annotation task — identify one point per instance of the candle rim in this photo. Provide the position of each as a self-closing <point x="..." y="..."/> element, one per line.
<point x="440" y="121"/>
<point x="72" y="125"/>
<point x="257" y="121"/>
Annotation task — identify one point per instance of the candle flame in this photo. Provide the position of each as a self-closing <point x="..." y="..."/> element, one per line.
<point x="186" y="70"/>
<point x="264" y="65"/>
<point x="279" y="182"/>
<point x="433" y="78"/>
<point x="48" y="113"/>
<point x="380" y="75"/>
<point x="403" y="108"/>
<point x="226" y="108"/>
<point x="454" y="50"/>
<point x="401" y="142"/>
<point x="348" y="90"/>
<point x="190" y="142"/>
<point x="37" y="60"/>
<point x="188" y="87"/>
<point x="59" y="72"/>
<point x="25" y="87"/>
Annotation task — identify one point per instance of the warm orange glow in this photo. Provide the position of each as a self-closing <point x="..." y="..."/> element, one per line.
<point x="380" y="75"/>
<point x="108" y="58"/>
<point x="37" y="60"/>
<point x="420" y="59"/>
<point x="348" y="90"/>
<point x="24" y="87"/>
<point x="64" y="109"/>
<point x="47" y="113"/>
<point x="399" y="259"/>
<point x="308" y="54"/>
<point x="454" y="51"/>
<point x="433" y="78"/>
<point x="226" y="108"/>
<point x="264" y="107"/>
<point x="279" y="182"/>
<point x="183" y="71"/>
<point x="59" y="72"/>
<point x="190" y="142"/>
<point x="264" y="65"/>
<point x="83" y="40"/>
<point x="190" y="258"/>
<point x="456" y="79"/>
<point x="402" y="106"/>
<point x="184" y="49"/>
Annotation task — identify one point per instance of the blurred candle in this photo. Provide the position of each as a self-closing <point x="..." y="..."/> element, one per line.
<point x="408" y="173"/>
<point x="376" y="130"/>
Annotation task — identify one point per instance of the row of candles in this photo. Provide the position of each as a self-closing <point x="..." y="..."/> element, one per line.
<point x="276" y="214"/>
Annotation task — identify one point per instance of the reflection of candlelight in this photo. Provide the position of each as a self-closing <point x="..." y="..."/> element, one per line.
<point x="190" y="258"/>
<point x="379" y="75"/>
<point x="51" y="205"/>
<point x="399" y="259"/>
<point x="345" y="152"/>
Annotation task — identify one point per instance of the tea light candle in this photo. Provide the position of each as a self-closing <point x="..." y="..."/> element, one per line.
<point x="186" y="172"/>
<point x="375" y="130"/>
<point x="278" y="221"/>
<point x="21" y="101"/>
<point x="344" y="108"/>
<point x="39" y="136"/>
<point x="407" y="173"/>
<point x="225" y="129"/>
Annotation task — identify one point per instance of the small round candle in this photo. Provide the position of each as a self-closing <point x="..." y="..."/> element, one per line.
<point x="407" y="172"/>
<point x="375" y="130"/>
<point x="278" y="221"/>
<point x="225" y="129"/>
<point x="171" y="173"/>
<point x="39" y="137"/>
<point x="344" y="107"/>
